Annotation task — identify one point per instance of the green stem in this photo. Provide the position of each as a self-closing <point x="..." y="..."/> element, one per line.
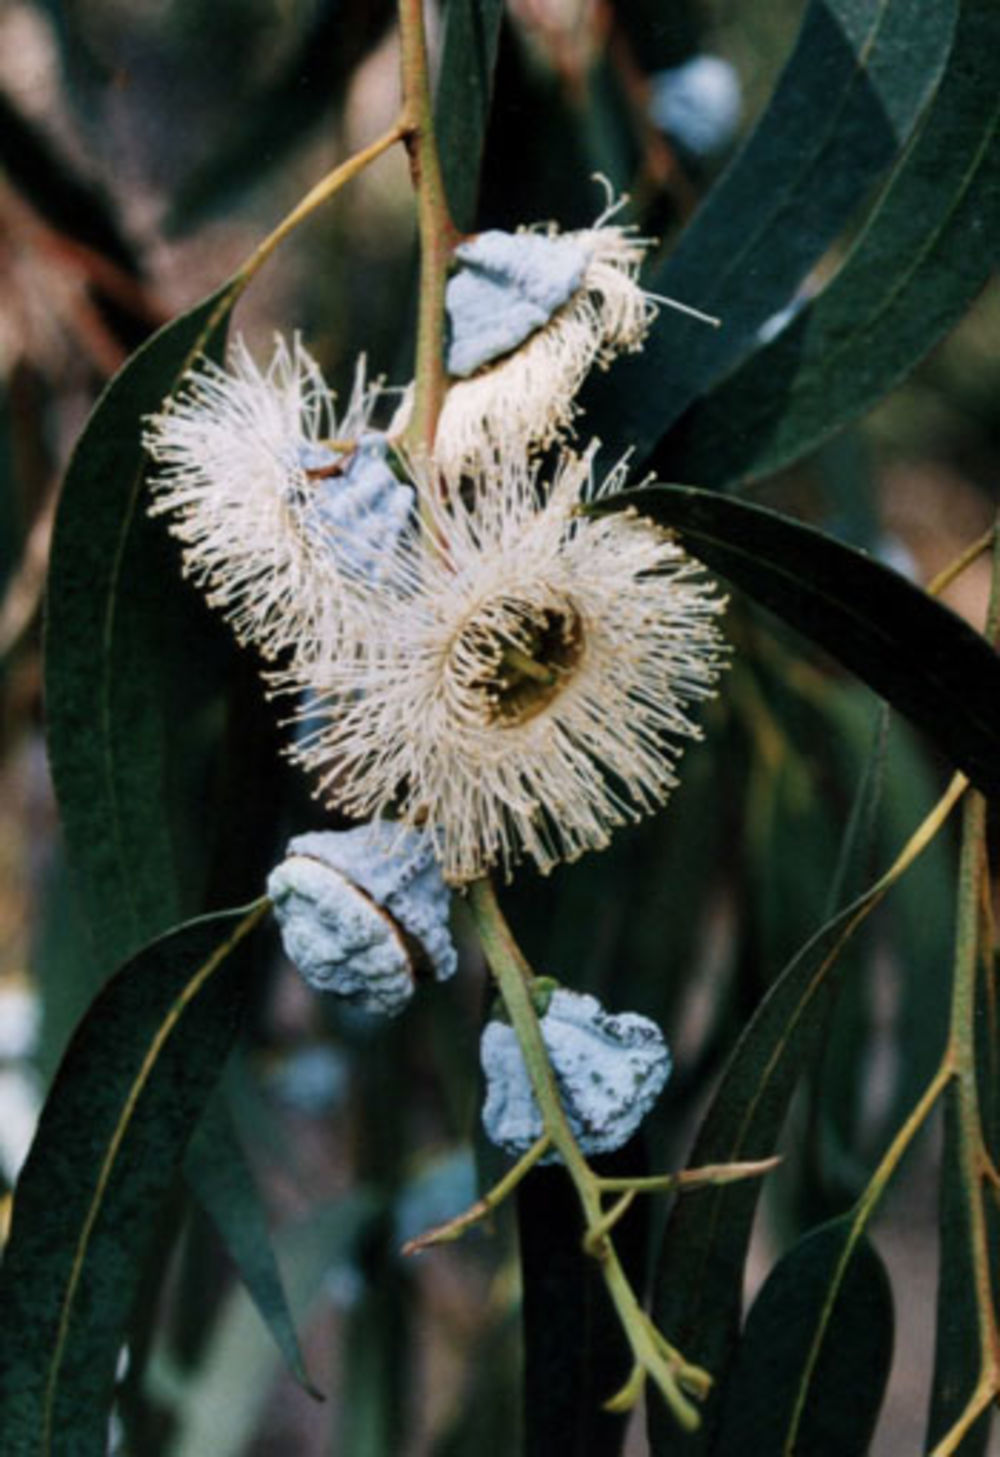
<point x="514" y="977"/>
<point x="454" y="1228"/>
<point x="437" y="231"/>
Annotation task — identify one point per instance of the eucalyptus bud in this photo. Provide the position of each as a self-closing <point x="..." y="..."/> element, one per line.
<point x="610" y="1070"/>
<point x="363" y="913"/>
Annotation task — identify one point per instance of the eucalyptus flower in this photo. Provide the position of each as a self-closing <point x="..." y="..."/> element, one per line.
<point x="282" y="507"/>
<point x="530" y="314"/>
<point x="610" y="1069"/>
<point x="529" y="688"/>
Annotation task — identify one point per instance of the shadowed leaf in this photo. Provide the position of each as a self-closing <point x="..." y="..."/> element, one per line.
<point x="915" y="653"/>
<point x="928" y="249"/>
<point x="843" y="108"/>
<point x="814" y="1358"/>
<point x="126" y="1097"/>
<point x="472" y="29"/>
<point x="131" y="657"/>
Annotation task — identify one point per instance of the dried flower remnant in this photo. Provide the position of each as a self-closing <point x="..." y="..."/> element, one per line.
<point x="528" y="690"/>
<point x="362" y="911"/>
<point x="282" y="507"/>
<point x="610" y="1070"/>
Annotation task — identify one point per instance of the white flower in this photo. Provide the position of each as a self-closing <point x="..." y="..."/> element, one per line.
<point x="530" y="683"/>
<point x="610" y="1070"/>
<point x="278" y="526"/>
<point x="531" y="314"/>
<point x="361" y="911"/>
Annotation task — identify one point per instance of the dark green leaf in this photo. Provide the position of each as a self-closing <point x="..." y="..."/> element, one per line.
<point x="698" y="1282"/>
<point x="216" y="1168"/>
<point x="844" y="106"/>
<point x="472" y="29"/>
<point x="125" y="1100"/>
<point x="957" y="1341"/>
<point x="575" y="1357"/>
<point x="926" y="252"/>
<point x="815" y="1355"/>
<point x="910" y="649"/>
<point x="126" y="678"/>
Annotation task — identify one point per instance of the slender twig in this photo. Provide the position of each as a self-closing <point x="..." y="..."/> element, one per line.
<point x="454" y="1228"/>
<point x="320" y="194"/>
<point x="690" y="1179"/>
<point x="965" y="559"/>
<point x="671" y="1372"/>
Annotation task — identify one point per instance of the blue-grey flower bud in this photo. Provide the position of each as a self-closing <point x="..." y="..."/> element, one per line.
<point x="360" y="909"/>
<point x="507" y="286"/>
<point x="610" y="1070"/>
<point x="698" y="105"/>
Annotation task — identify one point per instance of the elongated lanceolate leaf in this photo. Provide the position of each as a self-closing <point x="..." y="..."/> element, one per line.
<point x="814" y="1358"/>
<point x="844" y="106"/>
<point x="699" y="1277"/>
<point x="129" y="1091"/>
<point x="911" y="650"/>
<point x="472" y="29"/>
<point x="928" y="249"/>
<point x="130" y="655"/>
<point x="221" y="1179"/>
<point x="957" y="1339"/>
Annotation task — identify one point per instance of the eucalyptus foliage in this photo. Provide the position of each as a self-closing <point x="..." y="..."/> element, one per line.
<point x="810" y="843"/>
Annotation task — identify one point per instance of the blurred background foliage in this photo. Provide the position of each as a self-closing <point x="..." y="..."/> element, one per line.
<point x="144" y="150"/>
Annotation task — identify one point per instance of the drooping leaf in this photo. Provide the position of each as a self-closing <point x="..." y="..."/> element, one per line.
<point x="914" y="652"/>
<point x="472" y="29"/>
<point x="846" y="102"/>
<point x="928" y="249"/>
<point x="127" y="1095"/>
<point x="220" y="1177"/>
<point x="957" y="1339"/>
<point x="814" y="1357"/>
<point x="132" y="660"/>
<point x="698" y="1281"/>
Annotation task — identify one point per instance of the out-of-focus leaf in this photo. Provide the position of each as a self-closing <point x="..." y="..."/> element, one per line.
<point x="536" y="163"/>
<point x="217" y="1171"/>
<point x="915" y="653"/>
<point x="471" y="37"/>
<point x="125" y="1100"/>
<point x="72" y="205"/>
<point x="217" y="1407"/>
<point x="311" y="83"/>
<point x="131" y="659"/>
<point x="928" y="249"/>
<point x="814" y="1358"/>
<point x="843" y="108"/>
